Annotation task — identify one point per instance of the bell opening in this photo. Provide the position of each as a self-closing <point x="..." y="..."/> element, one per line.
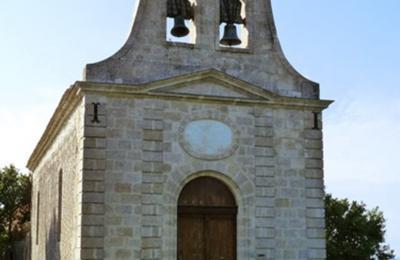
<point x="230" y="36"/>
<point x="180" y="30"/>
<point x="233" y="24"/>
<point x="240" y="41"/>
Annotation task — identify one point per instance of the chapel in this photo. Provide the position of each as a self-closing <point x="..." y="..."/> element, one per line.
<point x="197" y="140"/>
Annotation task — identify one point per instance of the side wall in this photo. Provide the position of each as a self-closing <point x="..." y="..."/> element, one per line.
<point x="64" y="154"/>
<point x="138" y="167"/>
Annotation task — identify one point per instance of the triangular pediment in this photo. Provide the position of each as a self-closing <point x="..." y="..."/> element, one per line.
<point x="210" y="83"/>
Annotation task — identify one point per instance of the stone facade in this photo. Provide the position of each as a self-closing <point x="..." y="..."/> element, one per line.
<point x="118" y="139"/>
<point x="63" y="154"/>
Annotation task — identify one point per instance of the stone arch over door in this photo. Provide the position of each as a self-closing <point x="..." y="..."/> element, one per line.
<point x="244" y="194"/>
<point x="207" y="213"/>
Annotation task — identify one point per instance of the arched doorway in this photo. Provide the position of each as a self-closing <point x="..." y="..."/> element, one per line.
<point x="206" y="221"/>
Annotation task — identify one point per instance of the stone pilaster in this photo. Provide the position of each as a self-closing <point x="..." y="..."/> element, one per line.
<point x="152" y="181"/>
<point x="94" y="165"/>
<point x="265" y="184"/>
<point x="315" y="206"/>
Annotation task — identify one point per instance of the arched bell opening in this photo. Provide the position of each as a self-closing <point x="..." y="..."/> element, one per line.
<point x="180" y="26"/>
<point x="207" y="213"/>
<point x="233" y="25"/>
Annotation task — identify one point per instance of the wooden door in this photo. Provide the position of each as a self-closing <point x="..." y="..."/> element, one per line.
<point x="220" y="238"/>
<point x="206" y="221"/>
<point x="191" y="237"/>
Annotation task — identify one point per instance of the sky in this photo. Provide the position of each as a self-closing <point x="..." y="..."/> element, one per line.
<point x="351" y="47"/>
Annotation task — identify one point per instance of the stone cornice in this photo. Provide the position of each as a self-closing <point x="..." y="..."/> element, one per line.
<point x="66" y="106"/>
<point x="140" y="92"/>
<point x="73" y="95"/>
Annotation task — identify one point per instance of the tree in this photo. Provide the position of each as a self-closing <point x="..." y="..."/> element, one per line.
<point x="355" y="233"/>
<point x="15" y="199"/>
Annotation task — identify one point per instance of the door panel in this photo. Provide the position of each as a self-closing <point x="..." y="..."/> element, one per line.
<point x="206" y="221"/>
<point x="191" y="238"/>
<point x="207" y="237"/>
<point x="220" y="238"/>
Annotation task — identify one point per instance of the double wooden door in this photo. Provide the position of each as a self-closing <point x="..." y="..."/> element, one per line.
<point x="206" y="221"/>
<point x="207" y="237"/>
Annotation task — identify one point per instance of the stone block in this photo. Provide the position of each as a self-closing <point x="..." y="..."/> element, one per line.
<point x="92" y="253"/>
<point x="264" y="202"/>
<point x="93" y="142"/>
<point x="316" y="233"/>
<point x="93" y="175"/>
<point x="152" y="124"/>
<point x="314" y="164"/>
<point x="93" y="186"/>
<point x="93" y="209"/>
<point x="94" y="153"/>
<point x="152" y="135"/>
<point x="316" y="213"/>
<point x="262" y="232"/>
<point x="264" y="141"/>
<point x="265" y="243"/>
<point x="123" y="187"/>
<point x="123" y="254"/>
<point x="315" y="193"/>
<point x="93" y="197"/>
<point x="265" y="161"/>
<point x="264" y="171"/>
<point x="151" y="242"/>
<point x="316" y="223"/>
<point x="265" y="191"/>
<point x="264" y="121"/>
<point x="313" y="144"/>
<point x="152" y="156"/>
<point x="151" y="253"/>
<point x="151" y="231"/>
<point x="153" y="146"/>
<point x="315" y="203"/>
<point x="313" y="134"/>
<point x="317" y="253"/>
<point x="95" y="132"/>
<point x="314" y="183"/>
<point x="264" y="151"/>
<point x="94" y="164"/>
<point x="92" y="220"/>
<point x="282" y="203"/>
<point x="313" y="153"/>
<point x="92" y="242"/>
<point x="92" y="231"/>
<point x="314" y="173"/>
<point x="265" y="212"/>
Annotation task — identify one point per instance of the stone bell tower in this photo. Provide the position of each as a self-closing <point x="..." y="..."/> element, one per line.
<point x="196" y="140"/>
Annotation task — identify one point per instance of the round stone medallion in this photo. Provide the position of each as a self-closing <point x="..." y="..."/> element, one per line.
<point x="208" y="139"/>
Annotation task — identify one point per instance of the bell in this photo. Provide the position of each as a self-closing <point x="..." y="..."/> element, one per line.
<point x="180" y="29"/>
<point x="230" y="36"/>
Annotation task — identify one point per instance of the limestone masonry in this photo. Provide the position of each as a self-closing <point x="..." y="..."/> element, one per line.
<point x="123" y="143"/>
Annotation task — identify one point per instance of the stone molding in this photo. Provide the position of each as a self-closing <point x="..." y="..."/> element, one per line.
<point x="154" y="89"/>
<point x="74" y="94"/>
<point x="241" y="187"/>
<point x="216" y="116"/>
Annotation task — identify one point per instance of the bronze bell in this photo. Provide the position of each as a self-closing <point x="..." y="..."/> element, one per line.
<point x="230" y="36"/>
<point x="180" y="29"/>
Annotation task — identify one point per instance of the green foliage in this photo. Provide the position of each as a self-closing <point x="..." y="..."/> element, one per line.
<point x="355" y="233"/>
<point x="15" y="198"/>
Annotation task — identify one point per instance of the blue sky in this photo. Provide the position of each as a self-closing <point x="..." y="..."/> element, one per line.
<point x="351" y="47"/>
